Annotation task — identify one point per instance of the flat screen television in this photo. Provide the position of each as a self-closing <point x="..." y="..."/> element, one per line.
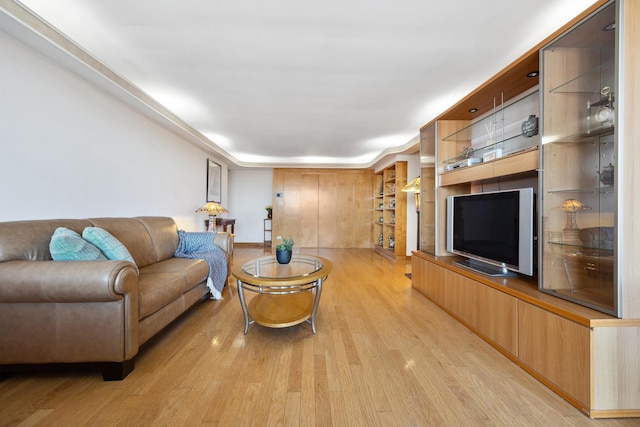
<point x="493" y="230"/>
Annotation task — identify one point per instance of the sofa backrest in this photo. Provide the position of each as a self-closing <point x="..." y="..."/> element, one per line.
<point x="29" y="240"/>
<point x="164" y="235"/>
<point x="148" y="239"/>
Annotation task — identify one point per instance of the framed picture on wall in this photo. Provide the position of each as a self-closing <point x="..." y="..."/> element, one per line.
<point x="214" y="184"/>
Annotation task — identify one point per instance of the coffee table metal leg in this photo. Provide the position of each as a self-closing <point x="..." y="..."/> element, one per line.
<point x="316" y="302"/>
<point x="243" y="304"/>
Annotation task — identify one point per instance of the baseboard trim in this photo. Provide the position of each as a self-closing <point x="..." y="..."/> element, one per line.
<point x="249" y="245"/>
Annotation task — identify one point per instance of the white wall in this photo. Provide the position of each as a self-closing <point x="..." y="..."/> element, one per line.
<point x="413" y="171"/>
<point x="249" y="193"/>
<point x="69" y="149"/>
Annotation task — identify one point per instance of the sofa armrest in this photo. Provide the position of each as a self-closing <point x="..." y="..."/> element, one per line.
<point x="225" y="241"/>
<point x="66" y="281"/>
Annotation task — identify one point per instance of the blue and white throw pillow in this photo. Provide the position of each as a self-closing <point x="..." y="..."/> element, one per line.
<point x="67" y="245"/>
<point x="111" y="247"/>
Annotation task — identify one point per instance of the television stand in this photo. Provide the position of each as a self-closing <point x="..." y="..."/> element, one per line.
<point x="485" y="268"/>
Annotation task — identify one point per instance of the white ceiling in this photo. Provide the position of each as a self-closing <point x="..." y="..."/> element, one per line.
<point x="307" y="83"/>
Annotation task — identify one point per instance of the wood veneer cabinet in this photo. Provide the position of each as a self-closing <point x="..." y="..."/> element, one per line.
<point x="588" y="357"/>
<point x="390" y="211"/>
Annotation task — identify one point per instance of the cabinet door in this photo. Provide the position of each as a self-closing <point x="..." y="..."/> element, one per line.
<point x="428" y="279"/>
<point x="557" y="349"/>
<point x="497" y="317"/>
<point x="490" y="312"/>
<point x="460" y="297"/>
<point x="579" y="158"/>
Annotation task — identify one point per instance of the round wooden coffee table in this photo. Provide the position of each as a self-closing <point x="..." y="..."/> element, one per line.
<point x="288" y="294"/>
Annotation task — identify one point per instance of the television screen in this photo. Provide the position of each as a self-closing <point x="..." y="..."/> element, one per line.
<point x="494" y="227"/>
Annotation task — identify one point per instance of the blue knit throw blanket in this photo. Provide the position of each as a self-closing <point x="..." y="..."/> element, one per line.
<point x="200" y="246"/>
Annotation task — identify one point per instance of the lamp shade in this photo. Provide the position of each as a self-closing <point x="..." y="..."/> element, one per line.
<point x="412" y="187"/>
<point x="212" y="208"/>
<point x="572" y="205"/>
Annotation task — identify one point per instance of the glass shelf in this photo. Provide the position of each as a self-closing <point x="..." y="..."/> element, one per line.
<point x="593" y="135"/>
<point x="602" y="252"/>
<point x="584" y="83"/>
<point x="529" y="104"/>
<point x="504" y="126"/>
<point x="480" y="151"/>
<point x="605" y="189"/>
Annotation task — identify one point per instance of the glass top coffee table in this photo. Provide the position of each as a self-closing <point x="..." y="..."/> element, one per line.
<point x="288" y="294"/>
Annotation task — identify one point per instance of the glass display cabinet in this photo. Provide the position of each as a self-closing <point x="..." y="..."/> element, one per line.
<point x="579" y="159"/>
<point x="510" y="128"/>
<point x="428" y="223"/>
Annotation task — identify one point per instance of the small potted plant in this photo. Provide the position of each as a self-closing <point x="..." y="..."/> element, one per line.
<point x="284" y="251"/>
<point x="269" y="211"/>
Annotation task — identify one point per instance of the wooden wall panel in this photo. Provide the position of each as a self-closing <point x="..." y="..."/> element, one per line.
<point x="344" y="206"/>
<point x="308" y="214"/>
<point x="328" y="227"/>
<point x="328" y="208"/>
<point x="361" y="211"/>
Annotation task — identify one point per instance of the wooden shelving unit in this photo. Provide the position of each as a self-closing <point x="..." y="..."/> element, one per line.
<point x="267" y="232"/>
<point x="390" y="211"/>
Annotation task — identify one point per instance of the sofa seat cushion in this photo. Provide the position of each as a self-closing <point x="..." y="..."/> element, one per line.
<point x="156" y="290"/>
<point x="195" y="271"/>
<point x="162" y="282"/>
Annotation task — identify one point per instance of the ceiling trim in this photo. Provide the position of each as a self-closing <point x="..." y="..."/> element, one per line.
<point x="26" y="26"/>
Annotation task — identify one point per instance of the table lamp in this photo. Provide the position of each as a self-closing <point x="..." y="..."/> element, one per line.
<point x="414" y="187"/>
<point x="571" y="206"/>
<point x="213" y="209"/>
<point x="571" y="232"/>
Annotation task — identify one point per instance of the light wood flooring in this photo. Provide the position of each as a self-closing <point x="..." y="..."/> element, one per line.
<point x="383" y="356"/>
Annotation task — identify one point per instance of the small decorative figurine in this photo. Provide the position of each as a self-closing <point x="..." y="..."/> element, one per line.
<point x="392" y="243"/>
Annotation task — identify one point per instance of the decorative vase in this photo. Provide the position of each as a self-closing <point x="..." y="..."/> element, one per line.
<point x="606" y="175"/>
<point x="283" y="256"/>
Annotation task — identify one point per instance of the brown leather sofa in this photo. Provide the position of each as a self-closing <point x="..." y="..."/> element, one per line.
<point x="92" y="314"/>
